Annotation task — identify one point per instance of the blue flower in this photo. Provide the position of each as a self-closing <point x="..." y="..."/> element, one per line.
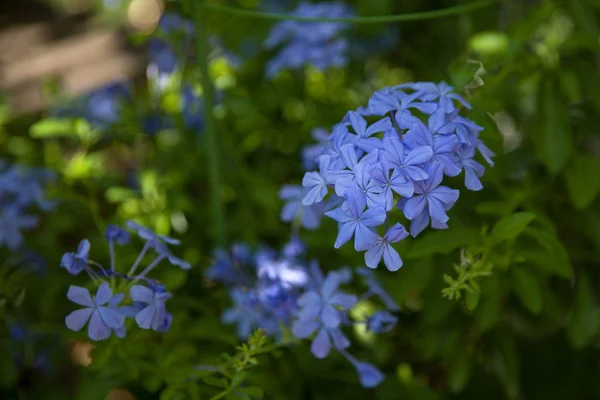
<point x="317" y="44"/>
<point x="376" y="289"/>
<point x="473" y="170"/>
<point x="432" y="202"/>
<point x="381" y="321"/>
<point x="363" y="139"/>
<point x="316" y="183"/>
<point x="115" y="233"/>
<point x="154" y="314"/>
<point x="12" y="222"/>
<point x="363" y="184"/>
<point x="429" y="91"/>
<point x="355" y="221"/>
<point x="319" y="312"/>
<point x="407" y="163"/>
<point x="149" y="235"/>
<point x="396" y="182"/>
<point x="443" y="146"/>
<point x="310" y="216"/>
<point x="321" y="304"/>
<point x="246" y="312"/>
<point x="164" y="253"/>
<point x="227" y="267"/>
<point x="101" y="318"/>
<point x="74" y="263"/>
<point x="399" y="103"/>
<point x="383" y="249"/>
<point x="368" y="374"/>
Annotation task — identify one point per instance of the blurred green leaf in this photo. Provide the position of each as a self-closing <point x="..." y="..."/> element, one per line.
<point x="238" y="378"/>
<point x="582" y="180"/>
<point x="553" y="257"/>
<point x="527" y="288"/>
<point x="253" y="391"/>
<point x="51" y="127"/>
<point x="459" y="372"/>
<point x="217" y="382"/>
<point x="472" y="299"/>
<point x="583" y="326"/>
<point x="552" y="136"/>
<point x="510" y="227"/>
<point x="118" y="194"/>
<point x="505" y="361"/>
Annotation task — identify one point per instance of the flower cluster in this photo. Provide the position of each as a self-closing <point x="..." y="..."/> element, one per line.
<point x="310" y="43"/>
<point x="101" y="107"/>
<point x="21" y="188"/>
<point x="396" y="162"/>
<point x="282" y="292"/>
<point x="138" y="297"/>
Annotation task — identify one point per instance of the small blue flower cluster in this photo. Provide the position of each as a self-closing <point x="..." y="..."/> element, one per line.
<point x="398" y="161"/>
<point x="314" y="43"/>
<point x="101" y="107"/>
<point x="147" y="297"/>
<point x="21" y="188"/>
<point x="281" y="292"/>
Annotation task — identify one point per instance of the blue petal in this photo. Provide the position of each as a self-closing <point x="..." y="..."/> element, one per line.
<point x="364" y="238"/>
<point x="144" y="317"/>
<point x="112" y="318"/>
<point x="414" y="207"/>
<point x="104" y="294"/>
<point x="391" y="258"/>
<point x="321" y="345"/>
<point x="374" y="255"/>
<point x="79" y="295"/>
<point x="97" y="329"/>
<point x="303" y="329"/>
<point x="369" y="376"/>
<point x="141" y="293"/>
<point x="343" y="300"/>
<point x="330" y="317"/>
<point x="346" y="230"/>
<point x="78" y="318"/>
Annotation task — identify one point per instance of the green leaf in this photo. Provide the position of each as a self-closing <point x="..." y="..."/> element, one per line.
<point x="238" y="378"/>
<point x="212" y="381"/>
<point x="584" y="321"/>
<point x="552" y="137"/>
<point x="472" y="299"/>
<point x="490" y="306"/>
<point x="253" y="391"/>
<point x="505" y="361"/>
<point x="119" y="194"/>
<point x="459" y="373"/>
<point x="510" y="226"/>
<point x="443" y="241"/>
<point x="527" y="288"/>
<point x="582" y="180"/>
<point x="51" y="127"/>
<point x="553" y="257"/>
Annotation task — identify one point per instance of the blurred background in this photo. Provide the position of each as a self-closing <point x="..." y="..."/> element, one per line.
<point x="107" y="95"/>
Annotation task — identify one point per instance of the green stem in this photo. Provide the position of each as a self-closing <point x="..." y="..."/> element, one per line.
<point x="212" y="154"/>
<point x="418" y="16"/>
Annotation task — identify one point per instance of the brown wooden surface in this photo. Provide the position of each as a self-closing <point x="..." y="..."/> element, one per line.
<point x="38" y="45"/>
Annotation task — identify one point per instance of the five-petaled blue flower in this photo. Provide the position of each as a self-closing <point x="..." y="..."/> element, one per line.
<point x="101" y="318"/>
<point x="355" y="221"/>
<point x="153" y="315"/>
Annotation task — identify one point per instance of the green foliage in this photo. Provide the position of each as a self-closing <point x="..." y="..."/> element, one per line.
<point x="503" y="304"/>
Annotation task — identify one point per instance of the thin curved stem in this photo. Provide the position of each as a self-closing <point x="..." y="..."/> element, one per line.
<point x="418" y="16"/>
